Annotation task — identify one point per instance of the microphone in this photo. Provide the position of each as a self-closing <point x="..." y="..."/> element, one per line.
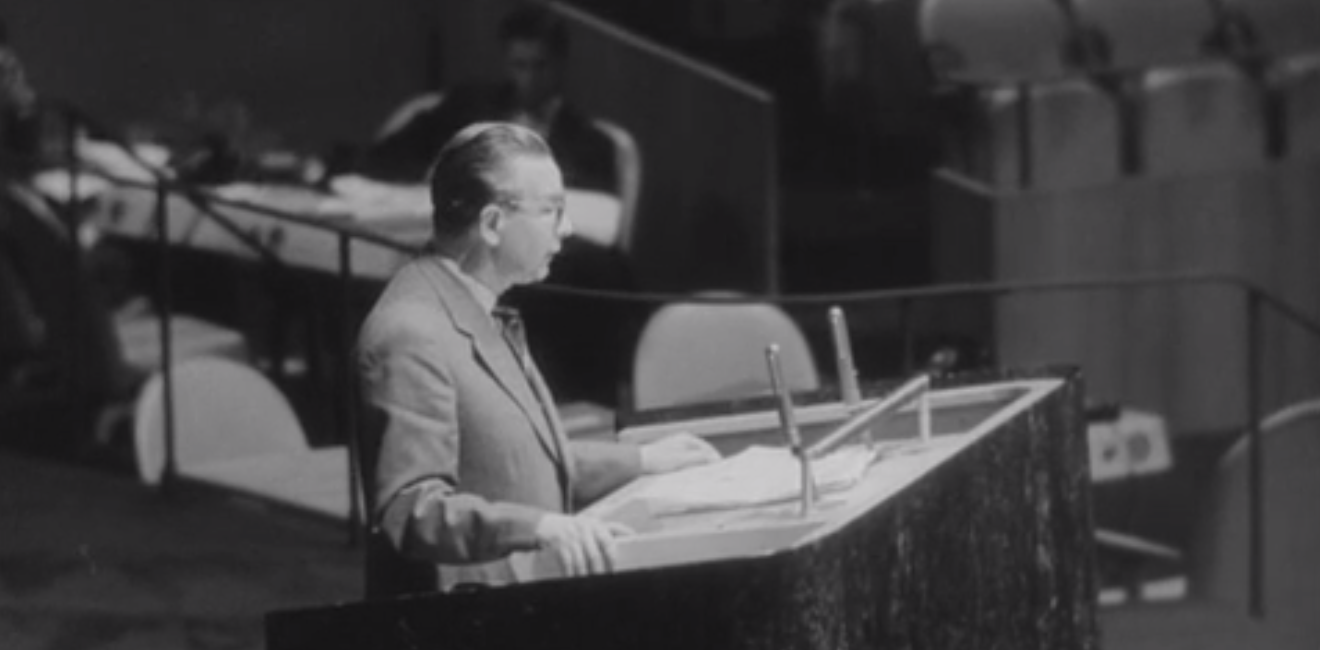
<point x="850" y="391"/>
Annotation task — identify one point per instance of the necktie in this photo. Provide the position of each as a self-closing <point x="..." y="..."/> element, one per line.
<point x="515" y="335"/>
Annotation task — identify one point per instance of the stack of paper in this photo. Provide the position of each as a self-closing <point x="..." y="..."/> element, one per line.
<point x="756" y="476"/>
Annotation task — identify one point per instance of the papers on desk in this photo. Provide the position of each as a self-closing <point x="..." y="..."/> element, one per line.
<point x="148" y="160"/>
<point x="756" y="476"/>
<point x="377" y="204"/>
<point x="102" y="159"/>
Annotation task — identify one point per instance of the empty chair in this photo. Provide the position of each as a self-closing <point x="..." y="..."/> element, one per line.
<point x="1066" y="137"/>
<point x="1141" y="34"/>
<point x="1022" y="122"/>
<point x="701" y="352"/>
<point x="1290" y="486"/>
<point x="972" y="41"/>
<point x="1215" y="616"/>
<point x="1279" y="28"/>
<point x="1299" y="91"/>
<point x="1201" y="119"/>
<point x="628" y="175"/>
<point x="233" y="429"/>
<point x="1075" y="136"/>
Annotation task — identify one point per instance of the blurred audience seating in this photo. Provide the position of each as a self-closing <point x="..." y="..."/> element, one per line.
<point x="1045" y="95"/>
<point x="102" y="357"/>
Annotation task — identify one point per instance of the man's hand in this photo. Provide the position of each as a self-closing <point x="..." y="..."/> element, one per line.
<point x="676" y="452"/>
<point x="583" y="545"/>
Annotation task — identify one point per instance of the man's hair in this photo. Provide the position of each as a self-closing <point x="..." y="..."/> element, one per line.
<point x="462" y="176"/>
<point x="535" y="21"/>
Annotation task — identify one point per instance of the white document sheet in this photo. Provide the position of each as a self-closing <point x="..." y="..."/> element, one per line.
<point x="756" y="476"/>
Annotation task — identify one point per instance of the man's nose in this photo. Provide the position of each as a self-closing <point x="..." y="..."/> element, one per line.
<point x="565" y="227"/>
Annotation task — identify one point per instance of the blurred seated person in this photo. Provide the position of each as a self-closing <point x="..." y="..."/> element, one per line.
<point x="20" y="124"/>
<point x="535" y="45"/>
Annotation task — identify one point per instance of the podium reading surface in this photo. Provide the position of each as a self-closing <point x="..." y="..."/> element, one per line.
<point x="979" y="538"/>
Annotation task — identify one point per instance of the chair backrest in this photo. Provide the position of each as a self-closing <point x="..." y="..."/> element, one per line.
<point x="628" y="171"/>
<point x="1142" y="34"/>
<point x="1281" y="27"/>
<point x="409" y="109"/>
<point x="223" y="411"/>
<point x="993" y="42"/>
<point x="698" y="352"/>
<point x="1291" y="486"/>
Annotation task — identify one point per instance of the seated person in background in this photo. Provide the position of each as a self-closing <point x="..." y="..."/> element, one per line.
<point x="20" y="123"/>
<point x="535" y="45"/>
<point x="468" y="467"/>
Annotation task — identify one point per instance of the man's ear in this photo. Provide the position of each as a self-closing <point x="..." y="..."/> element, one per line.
<point x="490" y="224"/>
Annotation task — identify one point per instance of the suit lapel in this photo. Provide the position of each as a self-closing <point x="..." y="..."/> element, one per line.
<point x="494" y="354"/>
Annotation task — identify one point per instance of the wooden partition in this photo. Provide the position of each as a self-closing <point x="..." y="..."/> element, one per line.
<point x="707" y="218"/>
<point x="1181" y="351"/>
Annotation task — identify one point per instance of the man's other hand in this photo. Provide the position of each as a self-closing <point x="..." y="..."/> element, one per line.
<point x="676" y="452"/>
<point x="583" y="545"/>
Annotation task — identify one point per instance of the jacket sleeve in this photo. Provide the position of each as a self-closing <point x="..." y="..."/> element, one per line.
<point x="600" y="468"/>
<point x="410" y="398"/>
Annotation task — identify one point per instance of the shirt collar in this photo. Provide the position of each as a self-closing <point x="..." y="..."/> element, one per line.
<point x="480" y="292"/>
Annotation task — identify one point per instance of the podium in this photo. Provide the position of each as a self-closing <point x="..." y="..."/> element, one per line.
<point x="980" y="537"/>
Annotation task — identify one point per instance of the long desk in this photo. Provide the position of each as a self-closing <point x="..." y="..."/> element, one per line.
<point x="979" y="538"/>
<point x="301" y="227"/>
<point x="309" y="240"/>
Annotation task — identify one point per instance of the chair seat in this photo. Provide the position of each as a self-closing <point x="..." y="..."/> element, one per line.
<point x="314" y="480"/>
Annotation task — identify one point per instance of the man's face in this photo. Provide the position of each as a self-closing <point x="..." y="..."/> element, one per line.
<point x="533" y="71"/>
<point x="532" y="222"/>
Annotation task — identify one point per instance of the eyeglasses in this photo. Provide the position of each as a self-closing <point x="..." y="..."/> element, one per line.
<point x="550" y="207"/>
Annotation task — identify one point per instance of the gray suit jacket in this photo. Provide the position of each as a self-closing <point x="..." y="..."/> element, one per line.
<point x="460" y="458"/>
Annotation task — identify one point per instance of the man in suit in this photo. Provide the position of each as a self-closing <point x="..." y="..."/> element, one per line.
<point x="469" y="471"/>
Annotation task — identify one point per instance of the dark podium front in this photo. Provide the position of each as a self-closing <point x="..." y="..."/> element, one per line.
<point x="978" y="538"/>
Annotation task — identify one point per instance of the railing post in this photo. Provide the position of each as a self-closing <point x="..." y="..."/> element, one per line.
<point x="347" y="416"/>
<point x="905" y="330"/>
<point x="1255" y="459"/>
<point x="73" y="356"/>
<point x="164" y="306"/>
<point x="1025" y="140"/>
